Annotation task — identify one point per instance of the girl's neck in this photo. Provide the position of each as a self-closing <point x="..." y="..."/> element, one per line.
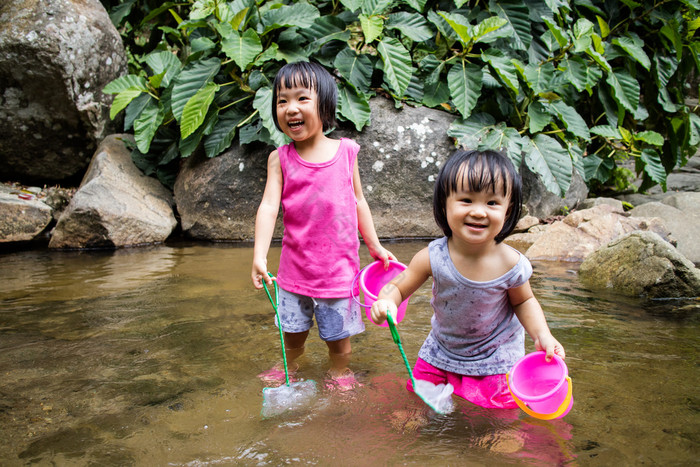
<point x="317" y="149"/>
<point x="480" y="262"/>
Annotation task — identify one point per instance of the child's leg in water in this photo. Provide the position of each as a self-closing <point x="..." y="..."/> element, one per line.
<point x="339" y="353"/>
<point x="294" y="348"/>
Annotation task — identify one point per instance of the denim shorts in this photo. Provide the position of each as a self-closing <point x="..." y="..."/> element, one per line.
<point x="337" y="318"/>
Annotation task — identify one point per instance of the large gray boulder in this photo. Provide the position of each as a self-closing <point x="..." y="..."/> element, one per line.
<point x="116" y="205"/>
<point x="641" y="264"/>
<point x="681" y="214"/>
<point x="55" y="58"/>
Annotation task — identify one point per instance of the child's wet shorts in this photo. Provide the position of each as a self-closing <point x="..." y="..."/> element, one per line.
<point x="485" y="391"/>
<point x="337" y="318"/>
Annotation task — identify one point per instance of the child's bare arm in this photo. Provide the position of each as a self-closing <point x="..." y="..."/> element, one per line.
<point x="531" y="316"/>
<point x="265" y="220"/>
<point x="403" y="285"/>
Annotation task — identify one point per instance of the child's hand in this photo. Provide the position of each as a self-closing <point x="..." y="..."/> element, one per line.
<point x="550" y="345"/>
<point x="259" y="274"/>
<point x="383" y="255"/>
<point x="381" y="308"/>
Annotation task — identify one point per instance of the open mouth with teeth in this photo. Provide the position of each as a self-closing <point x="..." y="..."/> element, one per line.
<point x="295" y="124"/>
<point x="476" y="226"/>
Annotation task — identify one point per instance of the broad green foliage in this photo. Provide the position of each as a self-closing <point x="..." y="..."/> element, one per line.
<point x="561" y="85"/>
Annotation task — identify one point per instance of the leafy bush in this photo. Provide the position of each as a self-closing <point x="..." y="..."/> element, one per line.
<point x="562" y="86"/>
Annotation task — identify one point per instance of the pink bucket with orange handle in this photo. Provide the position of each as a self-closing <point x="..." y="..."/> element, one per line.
<point x="541" y="389"/>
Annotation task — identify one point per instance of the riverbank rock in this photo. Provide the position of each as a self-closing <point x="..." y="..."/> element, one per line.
<point x="680" y="212"/>
<point x="23" y="217"/>
<point x="55" y="58"/>
<point x="641" y="264"/>
<point x="116" y="205"/>
<point x="582" y="232"/>
<point x="218" y="198"/>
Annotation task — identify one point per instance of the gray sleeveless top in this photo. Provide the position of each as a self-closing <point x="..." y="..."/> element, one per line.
<point x="474" y="329"/>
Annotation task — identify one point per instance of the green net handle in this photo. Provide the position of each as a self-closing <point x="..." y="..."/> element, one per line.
<point x="279" y="322"/>
<point x="397" y="340"/>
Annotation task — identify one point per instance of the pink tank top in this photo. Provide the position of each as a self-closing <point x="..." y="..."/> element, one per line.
<point x="320" y="245"/>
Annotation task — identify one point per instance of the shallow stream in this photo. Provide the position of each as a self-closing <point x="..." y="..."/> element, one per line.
<point x="149" y="356"/>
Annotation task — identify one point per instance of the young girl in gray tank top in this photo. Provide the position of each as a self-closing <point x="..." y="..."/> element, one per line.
<point x="482" y="300"/>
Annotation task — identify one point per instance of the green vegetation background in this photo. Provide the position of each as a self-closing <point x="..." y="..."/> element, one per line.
<point x="561" y="85"/>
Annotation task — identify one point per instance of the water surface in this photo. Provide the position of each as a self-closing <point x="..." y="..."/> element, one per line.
<point x="149" y="356"/>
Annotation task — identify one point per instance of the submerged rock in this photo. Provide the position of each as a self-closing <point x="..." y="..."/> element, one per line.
<point x="641" y="264"/>
<point x="116" y="205"/>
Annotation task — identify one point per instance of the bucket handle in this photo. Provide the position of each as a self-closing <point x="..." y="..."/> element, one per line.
<point x="352" y="288"/>
<point x="546" y="416"/>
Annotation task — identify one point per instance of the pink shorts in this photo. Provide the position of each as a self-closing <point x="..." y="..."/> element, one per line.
<point x="485" y="391"/>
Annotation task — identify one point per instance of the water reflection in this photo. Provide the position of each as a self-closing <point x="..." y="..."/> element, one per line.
<point x="149" y="356"/>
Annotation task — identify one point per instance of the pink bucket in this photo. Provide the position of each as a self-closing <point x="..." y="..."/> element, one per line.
<point x="372" y="278"/>
<point x="542" y="389"/>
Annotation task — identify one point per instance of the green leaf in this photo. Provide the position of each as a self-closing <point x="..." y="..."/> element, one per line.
<point x="539" y="78"/>
<point x="670" y="31"/>
<point x="418" y="5"/>
<point x="356" y="69"/>
<point x="545" y="156"/>
<point x="596" y="168"/>
<point x="125" y="82"/>
<point x="372" y="27"/>
<point x="607" y="131"/>
<point x="470" y="132"/>
<point x="411" y="25"/>
<point x="196" y="109"/>
<point x="223" y="132"/>
<point x="134" y="109"/>
<point x="123" y="99"/>
<point x="604" y="27"/>
<point x="625" y="89"/>
<point x="396" y="65"/>
<point x="242" y="49"/>
<point x="187" y="146"/>
<point x="352" y="5"/>
<point x="459" y="25"/>
<point x="353" y="107"/>
<point x="694" y="122"/>
<point x="634" y="46"/>
<point x="516" y="14"/>
<point x="485" y="31"/>
<point x="147" y="124"/>
<point x="539" y="117"/>
<point x="577" y="72"/>
<point x="190" y="80"/>
<point x="583" y="35"/>
<point x="504" y="68"/>
<point x="263" y="104"/>
<point x="572" y="119"/>
<point x="465" y="81"/>
<point x="301" y="15"/>
<point x="650" y="137"/>
<point x="653" y="166"/>
<point x="558" y="33"/>
<point x="375" y="7"/>
<point x="436" y="93"/>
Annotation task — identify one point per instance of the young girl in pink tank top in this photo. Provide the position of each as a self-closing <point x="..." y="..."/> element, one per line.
<point x="317" y="182"/>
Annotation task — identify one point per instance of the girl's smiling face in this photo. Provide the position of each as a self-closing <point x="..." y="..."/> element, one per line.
<point x="476" y="217"/>
<point x="297" y="112"/>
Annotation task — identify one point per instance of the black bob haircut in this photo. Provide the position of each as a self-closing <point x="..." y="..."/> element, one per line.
<point x="478" y="171"/>
<point x="309" y="75"/>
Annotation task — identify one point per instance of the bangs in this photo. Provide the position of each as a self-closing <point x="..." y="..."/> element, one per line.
<point x="479" y="174"/>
